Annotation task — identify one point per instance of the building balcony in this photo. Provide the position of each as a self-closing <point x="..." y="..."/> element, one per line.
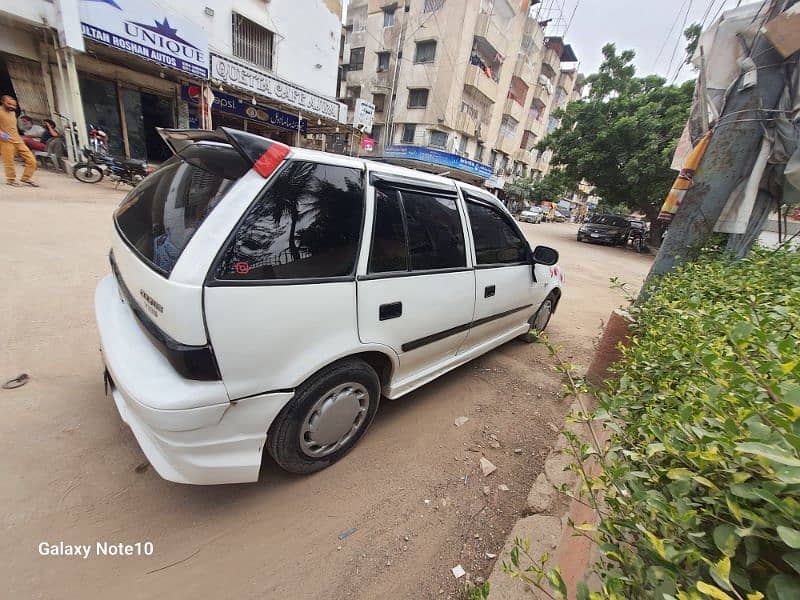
<point x="551" y="58"/>
<point x="466" y="124"/>
<point x="524" y="156"/>
<point x="525" y="70"/>
<point x="480" y="81"/>
<point x="514" y="109"/>
<point x="486" y="27"/>
<point x="535" y="126"/>
<point x="506" y="145"/>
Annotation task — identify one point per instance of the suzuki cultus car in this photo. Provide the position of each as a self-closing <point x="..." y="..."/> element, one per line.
<point x="266" y="298"/>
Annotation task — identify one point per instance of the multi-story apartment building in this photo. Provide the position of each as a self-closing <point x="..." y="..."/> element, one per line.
<point x="465" y="86"/>
<point x="130" y="66"/>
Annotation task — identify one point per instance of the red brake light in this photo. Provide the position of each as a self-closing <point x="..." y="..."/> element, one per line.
<point x="270" y="160"/>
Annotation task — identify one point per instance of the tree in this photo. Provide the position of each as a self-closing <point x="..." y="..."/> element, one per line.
<point x="621" y="138"/>
<point x="548" y="188"/>
<point x="692" y="35"/>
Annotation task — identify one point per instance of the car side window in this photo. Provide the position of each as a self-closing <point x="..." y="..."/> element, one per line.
<point x="416" y="231"/>
<point x="496" y="242"/>
<point x="389" y="249"/>
<point x="306" y="224"/>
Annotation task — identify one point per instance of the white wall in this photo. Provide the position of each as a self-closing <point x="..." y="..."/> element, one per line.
<point x="306" y="34"/>
<point x="32" y="11"/>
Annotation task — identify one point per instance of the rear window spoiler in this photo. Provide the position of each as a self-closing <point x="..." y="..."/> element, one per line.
<point x="262" y="154"/>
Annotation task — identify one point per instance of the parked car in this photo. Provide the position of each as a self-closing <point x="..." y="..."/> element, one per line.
<point x="267" y="297"/>
<point x="606" y="229"/>
<point x="531" y="215"/>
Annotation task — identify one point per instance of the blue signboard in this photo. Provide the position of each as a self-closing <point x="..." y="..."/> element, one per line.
<point x="236" y="106"/>
<point x="437" y="157"/>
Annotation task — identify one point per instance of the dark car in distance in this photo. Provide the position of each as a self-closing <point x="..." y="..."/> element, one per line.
<point x="606" y="229"/>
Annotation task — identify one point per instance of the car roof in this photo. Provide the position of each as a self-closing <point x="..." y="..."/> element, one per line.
<point x="390" y="169"/>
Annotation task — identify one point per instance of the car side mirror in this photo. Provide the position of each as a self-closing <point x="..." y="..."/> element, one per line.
<point x="544" y="255"/>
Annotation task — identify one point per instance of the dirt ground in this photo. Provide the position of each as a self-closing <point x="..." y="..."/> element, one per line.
<point x="411" y="495"/>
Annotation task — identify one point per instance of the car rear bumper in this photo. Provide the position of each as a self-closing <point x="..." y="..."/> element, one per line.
<point x="208" y="443"/>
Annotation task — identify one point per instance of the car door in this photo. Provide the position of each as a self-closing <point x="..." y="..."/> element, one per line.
<point x="416" y="294"/>
<point x="506" y="294"/>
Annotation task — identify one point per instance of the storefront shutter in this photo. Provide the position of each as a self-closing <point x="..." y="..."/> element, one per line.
<point x="26" y="76"/>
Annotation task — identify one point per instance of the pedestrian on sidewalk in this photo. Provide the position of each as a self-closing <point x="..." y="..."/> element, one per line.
<point x="11" y="144"/>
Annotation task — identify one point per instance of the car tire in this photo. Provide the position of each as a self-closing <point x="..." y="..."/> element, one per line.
<point x="301" y="441"/>
<point x="548" y="306"/>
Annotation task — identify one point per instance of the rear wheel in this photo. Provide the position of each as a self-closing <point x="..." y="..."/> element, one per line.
<point x="329" y="413"/>
<point x="540" y="319"/>
<point x="87" y="173"/>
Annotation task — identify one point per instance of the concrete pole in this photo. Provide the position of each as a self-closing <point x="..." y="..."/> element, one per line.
<point x="727" y="161"/>
<point x="74" y="92"/>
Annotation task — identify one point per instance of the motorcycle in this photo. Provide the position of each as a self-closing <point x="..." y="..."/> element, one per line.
<point x="98" y="140"/>
<point x="96" y="166"/>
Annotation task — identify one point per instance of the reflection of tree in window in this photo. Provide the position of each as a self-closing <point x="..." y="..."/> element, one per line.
<point x="306" y="224"/>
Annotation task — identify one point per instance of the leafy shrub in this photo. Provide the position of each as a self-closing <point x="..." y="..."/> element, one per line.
<point x="701" y="481"/>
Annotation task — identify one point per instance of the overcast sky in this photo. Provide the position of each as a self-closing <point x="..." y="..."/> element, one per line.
<point x="641" y="25"/>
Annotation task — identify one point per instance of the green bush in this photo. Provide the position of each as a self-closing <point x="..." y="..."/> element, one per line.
<point x="701" y="483"/>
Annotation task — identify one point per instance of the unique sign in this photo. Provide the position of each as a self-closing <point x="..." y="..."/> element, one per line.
<point x="363" y="115"/>
<point x="438" y="157"/>
<point x="236" y="106"/>
<point x="141" y="28"/>
<point x="228" y="71"/>
<point x="368" y="144"/>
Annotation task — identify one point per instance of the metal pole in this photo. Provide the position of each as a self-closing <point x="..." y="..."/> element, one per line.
<point x="727" y="161"/>
<point x="299" y="118"/>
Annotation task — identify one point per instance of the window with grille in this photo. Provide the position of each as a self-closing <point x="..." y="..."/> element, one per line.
<point x="432" y="5"/>
<point x="438" y="139"/>
<point x="353" y="94"/>
<point x="426" y="52"/>
<point x="252" y="42"/>
<point x="418" y="98"/>
<point x="528" y="141"/>
<point x="508" y="126"/>
<point x="409" y="133"/>
<point x="388" y="17"/>
<point x="356" y="59"/>
<point x="383" y="62"/>
<point x="379" y="100"/>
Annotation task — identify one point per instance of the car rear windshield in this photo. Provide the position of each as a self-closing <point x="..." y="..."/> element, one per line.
<point x="609" y="220"/>
<point x="161" y="214"/>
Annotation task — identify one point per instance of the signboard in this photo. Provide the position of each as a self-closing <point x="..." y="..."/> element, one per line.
<point x="236" y="106"/>
<point x="363" y="115"/>
<point x="438" y="157"/>
<point x="368" y="144"/>
<point x="249" y="79"/>
<point x="142" y="28"/>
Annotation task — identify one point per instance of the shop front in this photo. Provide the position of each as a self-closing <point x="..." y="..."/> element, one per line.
<point x="261" y="102"/>
<point x="231" y="111"/>
<point x="148" y="55"/>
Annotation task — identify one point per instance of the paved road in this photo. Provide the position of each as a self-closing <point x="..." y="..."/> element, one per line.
<point x="69" y="465"/>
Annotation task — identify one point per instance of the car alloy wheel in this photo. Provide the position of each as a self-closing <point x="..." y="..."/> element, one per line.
<point x="334" y="419"/>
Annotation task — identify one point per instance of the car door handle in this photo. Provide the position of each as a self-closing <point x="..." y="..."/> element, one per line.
<point x="390" y="311"/>
<point x="488" y="291"/>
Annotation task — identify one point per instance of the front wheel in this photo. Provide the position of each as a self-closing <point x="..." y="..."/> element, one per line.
<point x="87" y="173"/>
<point x="329" y="413"/>
<point x="539" y="320"/>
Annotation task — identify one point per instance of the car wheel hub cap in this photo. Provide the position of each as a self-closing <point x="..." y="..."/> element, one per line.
<point x="543" y="316"/>
<point x="334" y="419"/>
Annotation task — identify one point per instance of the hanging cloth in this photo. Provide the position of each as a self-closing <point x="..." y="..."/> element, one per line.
<point x="684" y="180"/>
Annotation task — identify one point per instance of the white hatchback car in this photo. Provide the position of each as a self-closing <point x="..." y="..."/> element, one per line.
<point x="267" y="297"/>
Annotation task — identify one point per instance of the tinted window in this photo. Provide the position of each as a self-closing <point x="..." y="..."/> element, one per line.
<point x="389" y="251"/>
<point x="161" y="214"/>
<point x="609" y="220"/>
<point x="306" y="224"/>
<point x="496" y="242"/>
<point x="436" y="239"/>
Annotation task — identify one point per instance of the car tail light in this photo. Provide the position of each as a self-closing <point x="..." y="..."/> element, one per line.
<point x="269" y="161"/>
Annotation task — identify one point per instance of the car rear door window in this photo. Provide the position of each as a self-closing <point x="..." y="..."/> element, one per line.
<point x="306" y="224"/>
<point x="389" y="249"/>
<point x="496" y="241"/>
<point x="435" y="235"/>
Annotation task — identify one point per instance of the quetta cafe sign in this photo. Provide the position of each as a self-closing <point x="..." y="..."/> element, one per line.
<point x="249" y="79"/>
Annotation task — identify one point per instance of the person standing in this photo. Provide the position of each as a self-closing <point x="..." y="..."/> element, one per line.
<point x="11" y="144"/>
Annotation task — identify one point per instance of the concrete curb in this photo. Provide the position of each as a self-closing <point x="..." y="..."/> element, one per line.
<point x="547" y="528"/>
